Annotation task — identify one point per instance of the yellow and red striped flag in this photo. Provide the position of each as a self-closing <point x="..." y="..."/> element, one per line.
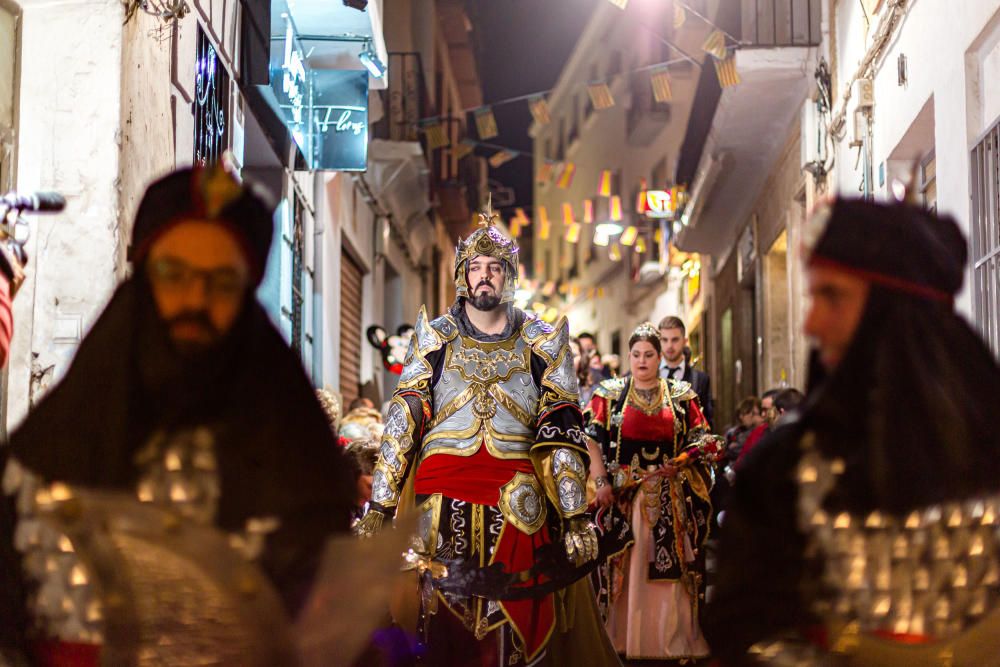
<point x="726" y="71"/>
<point x="543" y="229"/>
<point x="615" y="208"/>
<point x="600" y="96"/>
<point x="520" y="215"/>
<point x="515" y="228"/>
<point x="566" y="177"/>
<point x="486" y="123"/>
<point x="501" y="158"/>
<point x="436" y="135"/>
<point x="573" y="232"/>
<point x="660" y="80"/>
<point x="567" y="209"/>
<point x="715" y="45"/>
<point x="640" y="198"/>
<point x="543" y="216"/>
<point x="462" y="149"/>
<point x="604" y="184"/>
<point x="680" y="16"/>
<point x="629" y="235"/>
<point x="588" y="211"/>
<point x="539" y="108"/>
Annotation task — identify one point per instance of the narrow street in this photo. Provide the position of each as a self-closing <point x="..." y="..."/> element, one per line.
<point x="467" y="219"/>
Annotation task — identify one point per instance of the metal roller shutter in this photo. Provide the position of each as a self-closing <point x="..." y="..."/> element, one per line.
<point x="350" y="328"/>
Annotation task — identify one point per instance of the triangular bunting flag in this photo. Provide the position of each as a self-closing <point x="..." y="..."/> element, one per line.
<point x="629" y="235"/>
<point x="615" y="253"/>
<point x="588" y="211"/>
<point x="522" y="217"/>
<point x="462" y="149"/>
<point x="573" y="232"/>
<point x="600" y="96"/>
<point x="726" y="71"/>
<point x="436" y="135"/>
<point x="566" y="177"/>
<point x="567" y="213"/>
<point x="501" y="158"/>
<point x="539" y="108"/>
<point x="604" y="185"/>
<point x="660" y="80"/>
<point x="615" y="208"/>
<point x="515" y="227"/>
<point x="640" y="198"/>
<point x="486" y="123"/>
<point x="715" y="45"/>
<point x="680" y="16"/>
<point x="640" y="245"/>
<point x="543" y="216"/>
<point x="543" y="224"/>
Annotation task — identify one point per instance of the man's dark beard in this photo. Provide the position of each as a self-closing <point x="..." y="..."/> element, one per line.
<point x="486" y="300"/>
<point x="199" y="318"/>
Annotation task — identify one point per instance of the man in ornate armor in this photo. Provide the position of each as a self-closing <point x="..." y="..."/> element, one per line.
<point x="484" y="435"/>
<point x="865" y="531"/>
<point x="182" y="396"/>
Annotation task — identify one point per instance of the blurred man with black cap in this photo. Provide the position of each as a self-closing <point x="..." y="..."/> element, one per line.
<point x="866" y="527"/>
<point x="184" y="394"/>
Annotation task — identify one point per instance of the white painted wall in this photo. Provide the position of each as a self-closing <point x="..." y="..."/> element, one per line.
<point x="951" y="49"/>
<point x="69" y="132"/>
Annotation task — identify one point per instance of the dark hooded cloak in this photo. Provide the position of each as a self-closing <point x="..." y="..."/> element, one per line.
<point x="911" y="409"/>
<point x="276" y="453"/>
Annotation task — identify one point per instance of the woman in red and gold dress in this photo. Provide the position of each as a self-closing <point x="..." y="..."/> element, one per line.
<point x="651" y="459"/>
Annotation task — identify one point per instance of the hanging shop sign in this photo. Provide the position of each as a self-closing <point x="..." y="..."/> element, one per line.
<point x="660" y="204"/>
<point x="325" y="111"/>
<point x="340" y="117"/>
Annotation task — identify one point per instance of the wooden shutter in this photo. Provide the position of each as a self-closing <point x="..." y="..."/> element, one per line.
<point x="350" y="328"/>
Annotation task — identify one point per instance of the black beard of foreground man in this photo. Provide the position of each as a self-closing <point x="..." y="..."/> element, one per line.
<point x="484" y="438"/>
<point x="865" y="531"/>
<point x="184" y="396"/>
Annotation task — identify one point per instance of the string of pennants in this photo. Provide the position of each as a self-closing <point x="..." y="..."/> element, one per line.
<point x="719" y="44"/>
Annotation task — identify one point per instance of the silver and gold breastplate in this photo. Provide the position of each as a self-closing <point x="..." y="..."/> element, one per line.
<point x="485" y="394"/>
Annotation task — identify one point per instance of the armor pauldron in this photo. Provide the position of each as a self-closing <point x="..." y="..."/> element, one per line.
<point x="522" y="503"/>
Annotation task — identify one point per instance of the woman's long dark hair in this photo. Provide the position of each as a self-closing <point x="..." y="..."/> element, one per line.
<point x="913" y="407"/>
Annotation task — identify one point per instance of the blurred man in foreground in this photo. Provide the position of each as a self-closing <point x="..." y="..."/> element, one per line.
<point x="184" y="396"/>
<point x="867" y="526"/>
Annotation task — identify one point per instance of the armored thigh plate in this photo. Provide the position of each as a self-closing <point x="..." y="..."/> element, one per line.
<point x="522" y="503"/>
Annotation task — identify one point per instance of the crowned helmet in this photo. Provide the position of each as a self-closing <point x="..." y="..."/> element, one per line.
<point x="487" y="241"/>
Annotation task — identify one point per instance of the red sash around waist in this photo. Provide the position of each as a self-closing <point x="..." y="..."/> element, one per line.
<point x="474" y="479"/>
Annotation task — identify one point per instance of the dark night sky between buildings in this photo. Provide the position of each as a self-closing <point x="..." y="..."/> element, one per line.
<point x="521" y="47"/>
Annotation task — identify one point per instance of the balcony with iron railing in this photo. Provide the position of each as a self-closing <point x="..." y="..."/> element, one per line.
<point x="728" y="153"/>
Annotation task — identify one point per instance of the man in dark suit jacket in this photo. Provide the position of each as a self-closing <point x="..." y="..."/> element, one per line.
<point x="676" y="362"/>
